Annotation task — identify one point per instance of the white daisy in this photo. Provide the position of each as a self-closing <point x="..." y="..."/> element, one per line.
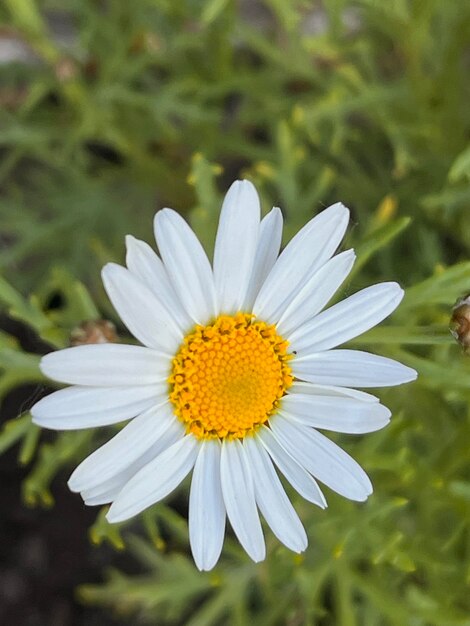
<point x="239" y="369"/>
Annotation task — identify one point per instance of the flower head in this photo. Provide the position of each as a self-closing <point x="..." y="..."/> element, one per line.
<point x="238" y="370"/>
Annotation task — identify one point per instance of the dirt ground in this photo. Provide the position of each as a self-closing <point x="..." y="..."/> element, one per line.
<point x="45" y="554"/>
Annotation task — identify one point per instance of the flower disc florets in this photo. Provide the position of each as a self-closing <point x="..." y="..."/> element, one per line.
<point x="228" y="377"/>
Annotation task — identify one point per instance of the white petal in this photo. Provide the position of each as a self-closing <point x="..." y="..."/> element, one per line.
<point x="107" y="364"/>
<point x="85" y="407"/>
<point x="316" y="292"/>
<point x="187" y="265"/>
<point x="272" y="499"/>
<point x="156" y="480"/>
<point x="239" y="498"/>
<point x="235" y="245"/>
<point x="294" y="473"/>
<point x="269" y="244"/>
<point x="305" y="253"/>
<point x="331" y="390"/>
<point x="144" y="315"/>
<point x="343" y="415"/>
<point x="123" y="449"/>
<point x="323" y="458"/>
<point x="206" y="507"/>
<point x="108" y="490"/>
<point x="352" y="368"/>
<point x="347" y="319"/>
<point x="144" y="263"/>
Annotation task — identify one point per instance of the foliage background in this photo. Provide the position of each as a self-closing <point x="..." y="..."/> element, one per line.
<point x="112" y="109"/>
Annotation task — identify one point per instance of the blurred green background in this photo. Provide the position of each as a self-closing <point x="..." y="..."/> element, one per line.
<point x="110" y="110"/>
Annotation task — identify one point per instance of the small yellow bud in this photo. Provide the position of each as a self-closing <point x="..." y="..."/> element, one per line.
<point x="387" y="209"/>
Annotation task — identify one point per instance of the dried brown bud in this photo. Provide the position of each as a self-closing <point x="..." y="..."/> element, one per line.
<point x="460" y="322"/>
<point x="96" y="331"/>
<point x="66" y="69"/>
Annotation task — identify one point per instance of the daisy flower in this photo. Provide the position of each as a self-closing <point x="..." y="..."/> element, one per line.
<point x="238" y="371"/>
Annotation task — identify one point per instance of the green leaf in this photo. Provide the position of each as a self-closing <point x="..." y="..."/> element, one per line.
<point x="101" y="530"/>
<point x="445" y="287"/>
<point x="377" y="240"/>
<point x="52" y="457"/>
<point x="29" y="444"/>
<point x="460" y="168"/>
<point x="204" y="217"/>
<point x="23" y="310"/>
<point x="436" y="374"/>
<point x="13" y="430"/>
<point x="212" y="10"/>
<point x="399" y="335"/>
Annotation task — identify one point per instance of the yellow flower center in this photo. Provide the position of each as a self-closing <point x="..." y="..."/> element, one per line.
<point x="228" y="377"/>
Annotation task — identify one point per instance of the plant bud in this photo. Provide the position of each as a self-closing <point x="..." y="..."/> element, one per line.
<point x="95" y="331"/>
<point x="460" y="322"/>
